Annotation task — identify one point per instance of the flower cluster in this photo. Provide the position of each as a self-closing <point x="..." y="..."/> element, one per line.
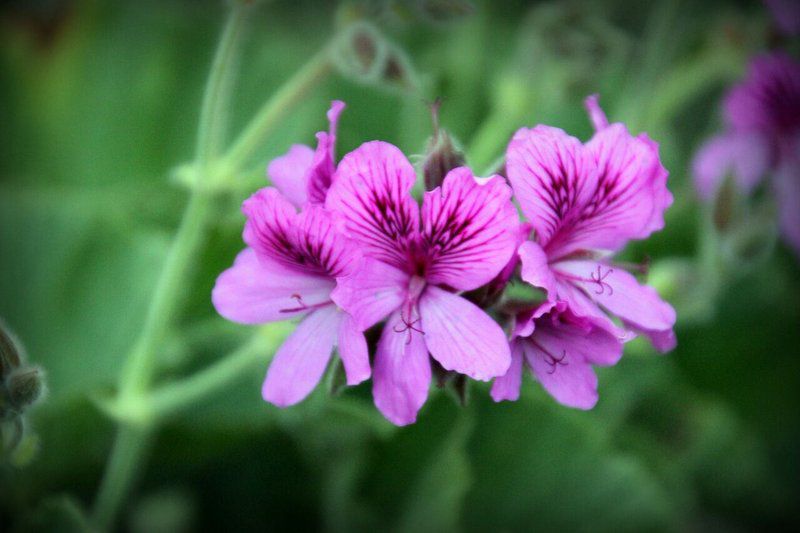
<point x="348" y="248"/>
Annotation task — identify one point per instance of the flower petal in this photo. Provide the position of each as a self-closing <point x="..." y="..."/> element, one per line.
<point x="353" y="351"/>
<point x="618" y="291"/>
<point x="289" y="173"/>
<point x="744" y="155"/>
<point x="323" y="166"/>
<point x="462" y="337"/>
<point x="255" y="291"/>
<point x="553" y="177"/>
<point x="561" y="356"/>
<point x="371" y="292"/>
<point x="469" y="229"/>
<point x="630" y="197"/>
<point x="536" y="270"/>
<point x="372" y="190"/>
<point x="311" y="241"/>
<point x="301" y="360"/>
<point x="507" y="387"/>
<point x="402" y="373"/>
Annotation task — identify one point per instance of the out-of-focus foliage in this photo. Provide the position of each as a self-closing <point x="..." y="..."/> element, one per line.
<point x="99" y="103"/>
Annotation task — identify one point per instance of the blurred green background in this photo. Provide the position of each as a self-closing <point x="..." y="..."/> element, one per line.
<point x="100" y="101"/>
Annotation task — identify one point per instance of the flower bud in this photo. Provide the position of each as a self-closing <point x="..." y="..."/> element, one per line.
<point x="24" y="387"/>
<point x="441" y="155"/>
<point x="364" y="54"/>
<point x="10" y="351"/>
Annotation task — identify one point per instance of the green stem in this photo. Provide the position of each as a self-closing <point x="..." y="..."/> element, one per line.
<point x="274" y="109"/>
<point x="130" y="444"/>
<point x="121" y="471"/>
<point x="174" y="397"/>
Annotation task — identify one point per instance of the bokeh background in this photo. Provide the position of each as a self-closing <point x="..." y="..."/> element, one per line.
<point x="99" y="102"/>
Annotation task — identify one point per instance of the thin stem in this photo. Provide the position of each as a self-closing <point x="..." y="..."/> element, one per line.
<point x="135" y="378"/>
<point x="274" y="109"/>
<point x="171" y="398"/>
<point x="122" y="469"/>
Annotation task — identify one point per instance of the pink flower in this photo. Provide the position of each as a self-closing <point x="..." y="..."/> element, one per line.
<point x="416" y="262"/>
<point x="559" y="348"/>
<point x="762" y="137"/>
<point x="585" y="202"/>
<point x="304" y="175"/>
<point x="288" y="270"/>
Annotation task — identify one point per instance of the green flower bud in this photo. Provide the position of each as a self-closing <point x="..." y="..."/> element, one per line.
<point x="441" y="155"/>
<point x="24" y="387"/>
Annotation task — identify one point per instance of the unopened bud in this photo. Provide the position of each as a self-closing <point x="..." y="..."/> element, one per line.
<point x="364" y="54"/>
<point x="10" y="351"/>
<point x="25" y="386"/>
<point x="441" y="155"/>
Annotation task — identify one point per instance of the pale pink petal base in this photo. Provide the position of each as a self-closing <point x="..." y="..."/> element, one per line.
<point x="507" y="387"/>
<point x="402" y="373"/>
<point x="302" y="359"/>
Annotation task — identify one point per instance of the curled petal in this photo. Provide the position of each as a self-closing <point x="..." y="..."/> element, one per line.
<point x="256" y="291"/>
<point x="323" y="165"/>
<point x="469" y="229"/>
<point x="372" y="190"/>
<point x="289" y="173"/>
<point x="371" y="293"/>
<point x="461" y="336"/>
<point x="301" y="360"/>
<point x="536" y="269"/>
<point x="507" y="387"/>
<point x="553" y="177"/>
<point x="353" y="351"/>
<point x="402" y="372"/>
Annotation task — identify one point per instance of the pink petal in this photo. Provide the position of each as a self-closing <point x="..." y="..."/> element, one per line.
<point x="402" y="373"/>
<point x="353" y="351"/>
<point x="289" y="173"/>
<point x="372" y="190"/>
<point x="596" y="114"/>
<point x="319" y="243"/>
<point x="619" y="292"/>
<point x="469" y="229"/>
<point x="323" y="166"/>
<point x="630" y="197"/>
<point x="256" y="291"/>
<point x="746" y="156"/>
<point x="310" y="242"/>
<point x="507" y="387"/>
<point x="553" y="177"/>
<point x="582" y="306"/>
<point x="301" y="360"/>
<point x="536" y="269"/>
<point x="371" y="292"/>
<point x="561" y="354"/>
<point x="462" y="337"/>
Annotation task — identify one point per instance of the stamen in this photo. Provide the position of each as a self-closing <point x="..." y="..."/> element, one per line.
<point x="599" y="278"/>
<point x="302" y="306"/>
<point x="407" y="326"/>
<point x="552" y="360"/>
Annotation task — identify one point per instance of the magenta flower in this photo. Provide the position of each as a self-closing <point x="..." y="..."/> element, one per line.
<point x="762" y="137"/>
<point x="559" y="348"/>
<point x="304" y="175"/>
<point x="288" y="270"/>
<point x="415" y="264"/>
<point x="585" y="202"/>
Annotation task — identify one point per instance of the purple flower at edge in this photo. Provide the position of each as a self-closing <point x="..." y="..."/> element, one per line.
<point x="585" y="202"/>
<point x="762" y="137"/>
<point x="417" y="260"/>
